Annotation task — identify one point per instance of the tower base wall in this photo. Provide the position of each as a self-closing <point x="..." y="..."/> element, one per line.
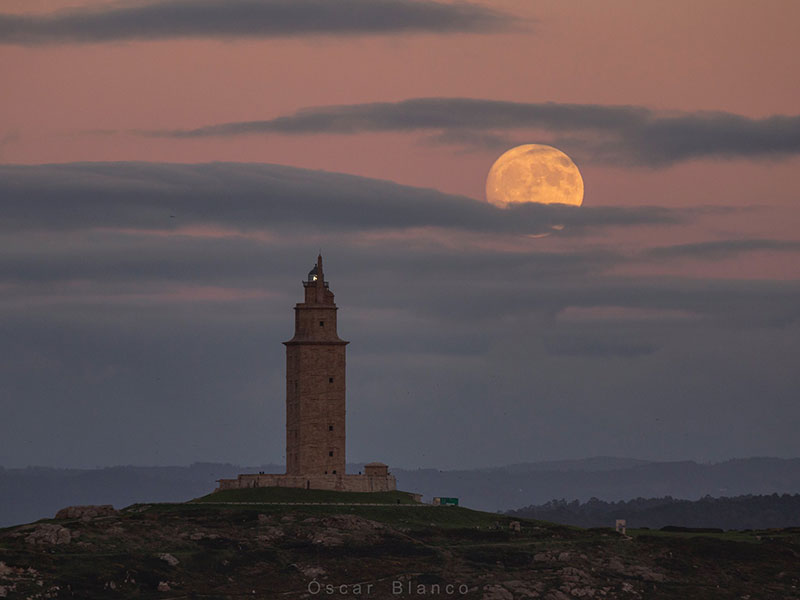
<point x="338" y="483"/>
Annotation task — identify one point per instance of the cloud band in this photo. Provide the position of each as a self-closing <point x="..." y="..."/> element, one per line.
<point x="169" y="19"/>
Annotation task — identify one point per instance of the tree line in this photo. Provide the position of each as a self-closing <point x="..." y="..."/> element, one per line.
<point x="739" y="512"/>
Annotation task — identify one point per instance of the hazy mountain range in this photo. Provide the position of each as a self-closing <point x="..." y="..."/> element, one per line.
<point x="35" y="492"/>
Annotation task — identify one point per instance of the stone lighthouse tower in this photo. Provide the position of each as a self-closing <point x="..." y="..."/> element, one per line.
<point x="315" y="405"/>
<point x="315" y="384"/>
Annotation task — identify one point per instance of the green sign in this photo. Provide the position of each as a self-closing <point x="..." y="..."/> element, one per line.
<point x="448" y="501"/>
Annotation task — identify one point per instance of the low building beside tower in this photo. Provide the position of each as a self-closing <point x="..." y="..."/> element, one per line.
<point x="315" y="405"/>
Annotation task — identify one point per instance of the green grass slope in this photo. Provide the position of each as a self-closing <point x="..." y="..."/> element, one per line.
<point x="415" y="517"/>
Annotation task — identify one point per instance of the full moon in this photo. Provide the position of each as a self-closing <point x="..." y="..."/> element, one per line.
<point x="534" y="173"/>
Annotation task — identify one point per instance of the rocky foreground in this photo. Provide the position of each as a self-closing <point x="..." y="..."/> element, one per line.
<point x="303" y="551"/>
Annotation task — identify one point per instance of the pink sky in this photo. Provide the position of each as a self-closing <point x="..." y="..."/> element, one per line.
<point x="80" y="102"/>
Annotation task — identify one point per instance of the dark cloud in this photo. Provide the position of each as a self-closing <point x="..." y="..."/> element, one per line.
<point x="457" y="115"/>
<point x="252" y="196"/>
<point x="129" y="339"/>
<point x="721" y="249"/>
<point x="165" y="19"/>
<point x="124" y="224"/>
<point x="725" y="303"/>
<point x="669" y="139"/>
<point x="615" y="134"/>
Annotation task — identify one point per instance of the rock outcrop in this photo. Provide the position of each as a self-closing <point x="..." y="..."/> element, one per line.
<point x="49" y="533"/>
<point x="86" y="512"/>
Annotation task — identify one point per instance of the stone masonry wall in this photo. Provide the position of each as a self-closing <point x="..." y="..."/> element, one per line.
<point x="339" y="483"/>
<point x="315" y="409"/>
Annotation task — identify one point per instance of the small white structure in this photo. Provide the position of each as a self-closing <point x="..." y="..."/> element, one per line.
<point x="620" y="526"/>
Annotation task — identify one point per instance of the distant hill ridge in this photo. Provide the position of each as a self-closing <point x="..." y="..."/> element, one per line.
<point x="597" y="463"/>
<point x="35" y="492"/>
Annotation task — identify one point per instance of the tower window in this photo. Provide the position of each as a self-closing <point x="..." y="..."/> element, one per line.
<point x="334" y="472"/>
<point x="330" y="453"/>
<point x="330" y="427"/>
<point x="322" y="323"/>
<point x="330" y="379"/>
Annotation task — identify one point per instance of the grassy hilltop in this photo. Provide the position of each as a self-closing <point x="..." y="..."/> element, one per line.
<point x="278" y="494"/>
<point x="214" y="548"/>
